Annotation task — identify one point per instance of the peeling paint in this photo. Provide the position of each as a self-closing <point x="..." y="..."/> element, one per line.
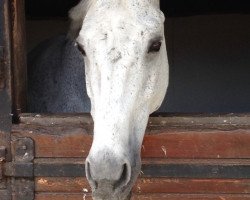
<point x="143" y="148"/>
<point x="43" y="181"/>
<point x="164" y="150"/>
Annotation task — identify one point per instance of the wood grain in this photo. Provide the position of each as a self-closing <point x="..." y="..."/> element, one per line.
<point x="68" y="141"/>
<point x="150" y="185"/>
<point x="66" y="196"/>
<point x="156" y="122"/>
<point x="19" y="63"/>
<point x="53" y="142"/>
<point x="212" y="151"/>
<point x="198" y="144"/>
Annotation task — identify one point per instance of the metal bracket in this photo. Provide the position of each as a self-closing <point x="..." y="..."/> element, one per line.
<point x="4" y="193"/>
<point x="2" y="80"/>
<point x="23" y="189"/>
<point x="23" y="156"/>
<point x="1" y="53"/>
<point x="2" y="153"/>
<point x="2" y="158"/>
<point x="21" y="170"/>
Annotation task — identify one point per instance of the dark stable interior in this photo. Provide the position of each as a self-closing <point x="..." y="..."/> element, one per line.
<point x="59" y="8"/>
<point x="208" y="45"/>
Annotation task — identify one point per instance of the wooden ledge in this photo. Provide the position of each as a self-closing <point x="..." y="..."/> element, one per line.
<point x="169" y="121"/>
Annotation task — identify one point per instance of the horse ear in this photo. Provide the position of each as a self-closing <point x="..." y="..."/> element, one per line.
<point x="77" y="15"/>
<point x="157" y="3"/>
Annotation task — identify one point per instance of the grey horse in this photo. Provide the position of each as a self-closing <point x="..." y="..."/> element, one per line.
<point x="56" y="78"/>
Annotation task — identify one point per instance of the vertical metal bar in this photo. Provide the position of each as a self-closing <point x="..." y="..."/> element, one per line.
<point x="5" y="78"/>
<point x="5" y="96"/>
<point x="23" y="186"/>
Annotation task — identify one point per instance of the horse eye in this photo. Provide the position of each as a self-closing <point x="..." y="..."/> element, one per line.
<point x="81" y="49"/>
<point x="155" y="47"/>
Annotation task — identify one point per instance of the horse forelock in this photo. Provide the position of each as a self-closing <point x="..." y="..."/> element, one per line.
<point x="78" y="13"/>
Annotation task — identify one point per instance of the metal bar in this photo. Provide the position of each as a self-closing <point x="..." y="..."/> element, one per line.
<point x="153" y="170"/>
<point x="59" y="170"/>
<point x="4" y="194"/>
<point x="23" y="189"/>
<point x="5" y="78"/>
<point x="2" y="153"/>
<point x="19" y="170"/>
<point x="197" y="171"/>
<point x="23" y="155"/>
<point x="2" y="159"/>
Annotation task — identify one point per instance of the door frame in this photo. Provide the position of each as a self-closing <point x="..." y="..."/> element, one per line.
<point x="158" y="163"/>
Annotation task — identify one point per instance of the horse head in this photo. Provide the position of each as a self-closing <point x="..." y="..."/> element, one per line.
<point x="126" y="70"/>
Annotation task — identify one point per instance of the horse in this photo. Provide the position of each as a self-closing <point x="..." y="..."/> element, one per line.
<point x="113" y="63"/>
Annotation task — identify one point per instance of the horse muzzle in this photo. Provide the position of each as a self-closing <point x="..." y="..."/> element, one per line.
<point x="111" y="176"/>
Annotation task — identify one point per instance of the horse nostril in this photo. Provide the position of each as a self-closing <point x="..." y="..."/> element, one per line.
<point x="125" y="176"/>
<point x="114" y="176"/>
<point x="92" y="182"/>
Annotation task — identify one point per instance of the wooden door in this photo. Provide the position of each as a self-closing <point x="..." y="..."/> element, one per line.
<point x="184" y="157"/>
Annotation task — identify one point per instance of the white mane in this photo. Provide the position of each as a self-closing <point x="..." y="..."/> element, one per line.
<point x="77" y="15"/>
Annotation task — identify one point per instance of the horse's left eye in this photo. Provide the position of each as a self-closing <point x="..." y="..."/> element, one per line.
<point x="155" y="47"/>
<point x="81" y="49"/>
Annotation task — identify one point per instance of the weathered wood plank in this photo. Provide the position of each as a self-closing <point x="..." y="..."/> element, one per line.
<point x="150" y="185"/>
<point x="66" y="196"/>
<point x="192" y="186"/>
<point x="61" y="184"/>
<point x="5" y="48"/>
<point x="187" y="160"/>
<point x="61" y="196"/>
<point x="74" y="141"/>
<point x="190" y="197"/>
<point x="19" y="64"/>
<point x="56" y="119"/>
<point x="198" y="144"/>
<point x="56" y="141"/>
<point x="4" y="194"/>
<point x="194" y="121"/>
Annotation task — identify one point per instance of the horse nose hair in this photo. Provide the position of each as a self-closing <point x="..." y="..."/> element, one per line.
<point x="109" y="173"/>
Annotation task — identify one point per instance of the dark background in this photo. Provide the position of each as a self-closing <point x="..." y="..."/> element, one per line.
<point x="208" y="43"/>
<point x="59" y="8"/>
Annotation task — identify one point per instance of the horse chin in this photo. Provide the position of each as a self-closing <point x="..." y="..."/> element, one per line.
<point x="109" y="194"/>
<point x="112" y="197"/>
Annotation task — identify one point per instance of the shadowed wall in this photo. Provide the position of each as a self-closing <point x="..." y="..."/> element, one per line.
<point x="209" y="55"/>
<point x="209" y="63"/>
